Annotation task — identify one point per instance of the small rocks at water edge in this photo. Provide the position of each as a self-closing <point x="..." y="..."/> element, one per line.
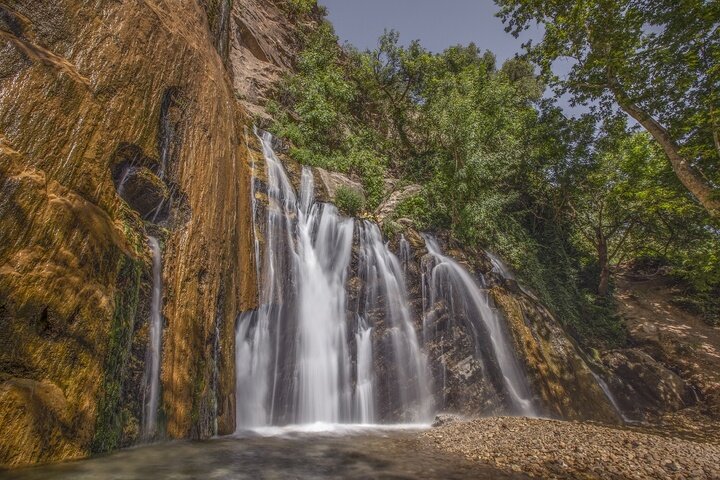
<point x="574" y="450"/>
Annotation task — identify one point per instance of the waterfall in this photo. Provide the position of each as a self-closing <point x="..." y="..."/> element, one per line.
<point x="252" y="358"/>
<point x="404" y="252"/>
<point x="500" y="267"/>
<point x="385" y="296"/>
<point x="365" y="389"/>
<point x="258" y="333"/>
<point x="293" y="364"/>
<point x="126" y="169"/>
<point x="302" y="357"/>
<point x="152" y="367"/>
<point x="323" y="361"/>
<point x="449" y="281"/>
<point x="611" y="398"/>
<point x="334" y="339"/>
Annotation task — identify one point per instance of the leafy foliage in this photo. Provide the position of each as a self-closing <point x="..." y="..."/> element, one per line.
<point x="349" y="201"/>
<point x="300" y="7"/>
<point x="564" y="201"/>
<point x="657" y="60"/>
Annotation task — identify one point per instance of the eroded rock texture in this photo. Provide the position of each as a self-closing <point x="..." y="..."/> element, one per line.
<point x="264" y="42"/>
<point x="561" y="382"/>
<point x="99" y="102"/>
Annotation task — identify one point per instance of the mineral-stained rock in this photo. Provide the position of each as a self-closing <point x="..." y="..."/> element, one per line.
<point x="145" y="193"/>
<point x="79" y="84"/>
<point x="39" y="415"/>
<point x="553" y="363"/>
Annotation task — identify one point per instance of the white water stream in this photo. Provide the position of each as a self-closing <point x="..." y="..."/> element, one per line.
<point x="301" y="358"/>
<point x="449" y="281"/>
<point x="152" y="366"/>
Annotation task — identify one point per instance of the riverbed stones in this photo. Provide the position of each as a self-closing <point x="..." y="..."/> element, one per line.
<point x="574" y="450"/>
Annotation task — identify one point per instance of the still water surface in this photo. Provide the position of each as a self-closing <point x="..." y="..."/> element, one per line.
<point x="275" y="454"/>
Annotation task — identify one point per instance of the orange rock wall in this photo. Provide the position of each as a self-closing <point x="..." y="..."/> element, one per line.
<point x="79" y="79"/>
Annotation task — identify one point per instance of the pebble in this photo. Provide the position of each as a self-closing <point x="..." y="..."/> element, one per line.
<point x="575" y="450"/>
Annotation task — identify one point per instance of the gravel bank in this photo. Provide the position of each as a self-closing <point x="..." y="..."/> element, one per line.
<point x="573" y="450"/>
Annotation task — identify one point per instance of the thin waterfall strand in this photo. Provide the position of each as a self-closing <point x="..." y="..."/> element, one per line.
<point x="449" y="280"/>
<point x="152" y="368"/>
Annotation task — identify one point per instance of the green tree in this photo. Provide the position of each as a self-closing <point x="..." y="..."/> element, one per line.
<point x="500" y="167"/>
<point x="625" y="203"/>
<point x="607" y="206"/>
<point x="657" y="60"/>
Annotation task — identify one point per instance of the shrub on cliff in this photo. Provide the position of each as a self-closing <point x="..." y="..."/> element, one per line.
<point x="300" y="7"/>
<point x="349" y="201"/>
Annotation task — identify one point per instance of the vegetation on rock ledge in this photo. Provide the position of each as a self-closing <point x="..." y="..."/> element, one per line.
<point x="564" y="200"/>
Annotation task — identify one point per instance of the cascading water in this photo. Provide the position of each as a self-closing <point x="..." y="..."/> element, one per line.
<point x="611" y="398"/>
<point x="404" y="252"/>
<point x="450" y="282"/>
<point x="501" y="268"/>
<point x="384" y="296"/>
<point x="324" y="243"/>
<point x="293" y="362"/>
<point x="258" y="333"/>
<point x="126" y="169"/>
<point x="299" y="359"/>
<point x="152" y="365"/>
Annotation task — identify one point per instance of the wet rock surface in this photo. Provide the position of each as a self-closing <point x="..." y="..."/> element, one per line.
<point x="561" y="382"/>
<point x="572" y="450"/>
<point x="87" y="91"/>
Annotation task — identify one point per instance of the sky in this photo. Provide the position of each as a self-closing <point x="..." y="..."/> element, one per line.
<point x="438" y="24"/>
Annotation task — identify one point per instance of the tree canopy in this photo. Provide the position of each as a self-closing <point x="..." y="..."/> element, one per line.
<point x="658" y="60"/>
<point x="564" y="200"/>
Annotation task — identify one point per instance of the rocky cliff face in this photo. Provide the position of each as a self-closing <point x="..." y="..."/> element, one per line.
<point x="561" y="382"/>
<point x="264" y="40"/>
<point x="118" y="119"/>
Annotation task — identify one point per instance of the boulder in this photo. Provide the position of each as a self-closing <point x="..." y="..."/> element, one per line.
<point x="446" y="419"/>
<point x="644" y="386"/>
<point x="398" y="196"/>
<point x="328" y="184"/>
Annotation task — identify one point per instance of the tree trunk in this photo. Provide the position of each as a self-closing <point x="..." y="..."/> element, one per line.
<point x="603" y="261"/>
<point x="706" y="194"/>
